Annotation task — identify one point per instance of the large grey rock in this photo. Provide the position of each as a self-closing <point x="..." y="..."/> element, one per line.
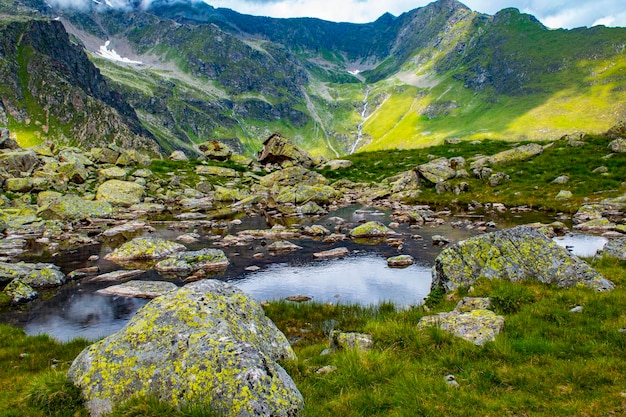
<point x="15" y="162"/>
<point x="470" y="320"/>
<point x="20" y="292"/>
<point x="279" y="150"/>
<point x="618" y="145"/>
<point x="616" y="248"/>
<point x="519" y="153"/>
<point x="293" y="176"/>
<point x="36" y="275"/>
<point x="120" y="193"/>
<point x="207" y="343"/>
<point x="437" y="170"/>
<point x="215" y="150"/>
<point x="513" y="254"/>
<point x="72" y="207"/>
<point x="139" y="289"/>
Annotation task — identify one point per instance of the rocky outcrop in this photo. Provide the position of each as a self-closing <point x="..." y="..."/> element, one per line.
<point x="471" y="320"/>
<point x="279" y="150"/>
<point x="206" y="344"/>
<point x="514" y="254"/>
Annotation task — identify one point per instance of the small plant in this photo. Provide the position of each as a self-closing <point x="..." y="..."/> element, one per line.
<point x="435" y="297"/>
<point x="54" y="394"/>
<point x="509" y="298"/>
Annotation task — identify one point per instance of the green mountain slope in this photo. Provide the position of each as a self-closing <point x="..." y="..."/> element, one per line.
<point x="436" y="72"/>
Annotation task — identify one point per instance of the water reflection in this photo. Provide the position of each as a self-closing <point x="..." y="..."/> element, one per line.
<point x="85" y="315"/>
<point x="363" y="279"/>
<point x="582" y="245"/>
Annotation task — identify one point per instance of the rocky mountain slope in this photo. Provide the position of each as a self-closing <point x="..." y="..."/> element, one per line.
<point x="193" y="73"/>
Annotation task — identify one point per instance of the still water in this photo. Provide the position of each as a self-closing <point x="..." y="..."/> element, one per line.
<point x="363" y="277"/>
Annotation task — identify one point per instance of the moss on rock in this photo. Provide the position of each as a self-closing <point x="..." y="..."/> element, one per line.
<point x="206" y="344"/>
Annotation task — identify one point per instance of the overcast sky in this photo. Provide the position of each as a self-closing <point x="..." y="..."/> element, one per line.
<point x="552" y="13"/>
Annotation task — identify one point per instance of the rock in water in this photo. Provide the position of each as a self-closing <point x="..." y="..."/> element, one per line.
<point x="142" y="248"/>
<point x="207" y="343"/>
<point x="513" y="254"/>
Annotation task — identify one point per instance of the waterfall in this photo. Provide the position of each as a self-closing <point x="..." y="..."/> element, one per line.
<point x="359" y="128"/>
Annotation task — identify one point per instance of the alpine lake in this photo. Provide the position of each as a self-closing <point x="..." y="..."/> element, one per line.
<point x="76" y="310"/>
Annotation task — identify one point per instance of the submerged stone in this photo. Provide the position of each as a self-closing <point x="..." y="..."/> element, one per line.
<point x="515" y="254"/>
<point x="206" y="344"/>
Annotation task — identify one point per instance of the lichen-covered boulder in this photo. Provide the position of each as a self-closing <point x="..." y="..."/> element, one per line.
<point x="43" y="275"/>
<point x="515" y="254"/>
<point x="616" y="248"/>
<point x="336" y="164"/>
<point x="279" y="150"/>
<point x="350" y="340"/>
<point x="72" y="207"/>
<point x="618" y="145"/>
<point x="215" y="150"/>
<point x="520" y="153"/>
<point x="216" y="171"/>
<point x="301" y="194"/>
<point x="189" y="261"/>
<point x="400" y="261"/>
<point x="120" y="193"/>
<point x="293" y="176"/>
<point x="19" y="292"/>
<point x="312" y="209"/>
<point x="206" y="344"/>
<point x="37" y="275"/>
<point x="371" y="229"/>
<point x="113" y="173"/>
<point x="144" y="248"/>
<point x="408" y="180"/>
<point x="437" y="170"/>
<point x="15" y="162"/>
<point x="470" y="320"/>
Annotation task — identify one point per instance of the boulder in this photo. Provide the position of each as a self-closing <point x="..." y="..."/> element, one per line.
<point x="279" y="150"/>
<point x="437" y="170"/>
<point x="282" y="246"/>
<point x="513" y="254"/>
<point x="139" y="289"/>
<point x="17" y="161"/>
<point x="616" y="248"/>
<point x="404" y="181"/>
<point x="74" y="171"/>
<point x="113" y="173"/>
<point x="72" y="207"/>
<point x="178" y="156"/>
<point x="371" y="229"/>
<point x="520" y="153"/>
<point x="191" y="261"/>
<point x="312" y="209"/>
<point x="563" y="179"/>
<point x="19" y="292"/>
<point x="206" y="344"/>
<point x="43" y="275"/>
<point x="293" y="176"/>
<point x="336" y="164"/>
<point x="350" y="340"/>
<point x="470" y="320"/>
<point x="564" y="195"/>
<point x="400" y="261"/>
<point x="301" y="194"/>
<point x="618" y="145"/>
<point x="38" y="275"/>
<point x="144" y="248"/>
<point x="215" y="150"/>
<point x="120" y="193"/>
<point x="216" y="171"/>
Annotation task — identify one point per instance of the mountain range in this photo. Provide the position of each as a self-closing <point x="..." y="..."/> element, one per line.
<point x="167" y="75"/>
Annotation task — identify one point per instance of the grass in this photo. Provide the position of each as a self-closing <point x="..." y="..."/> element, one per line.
<point x="531" y="181"/>
<point x="547" y="360"/>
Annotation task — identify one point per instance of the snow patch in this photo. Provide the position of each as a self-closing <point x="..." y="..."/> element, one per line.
<point x="110" y="54"/>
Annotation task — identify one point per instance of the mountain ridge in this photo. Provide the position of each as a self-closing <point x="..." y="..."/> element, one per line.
<point x="435" y="72"/>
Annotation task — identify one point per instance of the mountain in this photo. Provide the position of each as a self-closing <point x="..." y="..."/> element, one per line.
<point x="192" y="72"/>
